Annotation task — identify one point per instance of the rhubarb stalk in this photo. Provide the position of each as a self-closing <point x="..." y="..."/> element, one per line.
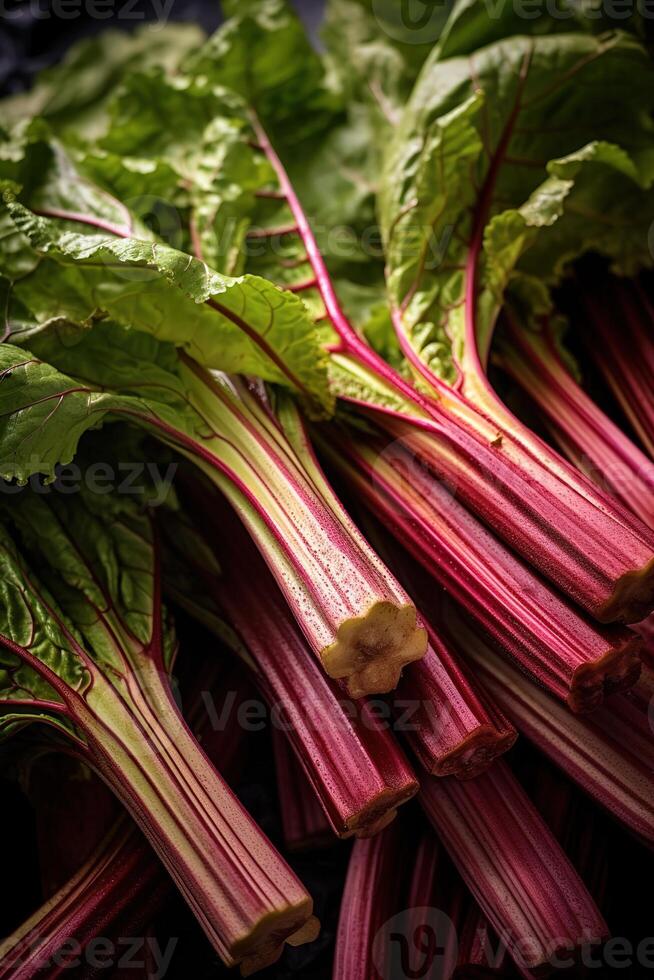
<point x="121" y="875"/>
<point x="354" y="765"/>
<point x="368" y="902"/>
<point x="608" y="754"/>
<point x="304" y="823"/>
<point x="452" y="727"/>
<point x="577" y="660"/>
<point x="617" y="331"/>
<point x="104" y="683"/>
<point x="588" y="437"/>
<point x="542" y="507"/>
<point x="513" y="866"/>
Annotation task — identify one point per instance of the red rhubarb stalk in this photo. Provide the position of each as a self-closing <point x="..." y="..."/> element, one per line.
<point x="354" y="765"/>
<point x="541" y="506"/>
<point x="609" y="754"/>
<point x="122" y="719"/>
<point x="304" y="822"/>
<point x="617" y="330"/>
<point x="122" y="875"/>
<point x="352" y="612"/>
<point x="586" y="435"/>
<point x="364" y="938"/>
<point x="513" y="866"/>
<point x="576" y="659"/>
<point x="452" y="727"/>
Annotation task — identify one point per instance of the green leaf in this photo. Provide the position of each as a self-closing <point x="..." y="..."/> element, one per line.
<point x="199" y="136"/>
<point x="30" y="619"/>
<point x="263" y="54"/>
<point x="375" y="53"/>
<point x="505" y="147"/>
<point x="73" y="95"/>
<point x="472" y="25"/>
<point x="244" y="325"/>
<point x="96" y="553"/>
<point x="594" y="201"/>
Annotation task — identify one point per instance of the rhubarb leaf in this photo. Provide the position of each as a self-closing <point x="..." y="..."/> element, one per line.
<point x="30" y="620"/>
<point x="97" y="556"/>
<point x="479" y="137"/>
<point x="594" y="201"/>
<point x="263" y="54"/>
<point x="472" y="25"/>
<point x="375" y="51"/>
<point x="73" y="379"/>
<point x="244" y="325"/>
<point x="73" y="94"/>
<point x="197" y="137"/>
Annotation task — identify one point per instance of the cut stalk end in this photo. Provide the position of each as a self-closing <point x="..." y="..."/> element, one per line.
<point x="616" y="671"/>
<point x="381" y="811"/>
<point x="370" y="651"/>
<point x="633" y="598"/>
<point x="264" y="945"/>
<point x="476" y="754"/>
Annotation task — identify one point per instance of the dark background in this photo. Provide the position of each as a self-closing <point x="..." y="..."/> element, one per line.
<point x="32" y="36"/>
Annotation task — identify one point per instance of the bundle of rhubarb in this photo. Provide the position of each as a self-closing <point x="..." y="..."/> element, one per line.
<point x="327" y="478"/>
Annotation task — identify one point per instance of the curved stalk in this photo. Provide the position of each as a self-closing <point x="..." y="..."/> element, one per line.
<point x="552" y="515"/>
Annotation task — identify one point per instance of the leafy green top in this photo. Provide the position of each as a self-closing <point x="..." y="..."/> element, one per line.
<point x="509" y="163"/>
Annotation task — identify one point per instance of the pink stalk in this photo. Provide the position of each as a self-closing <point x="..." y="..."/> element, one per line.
<point x="451" y="725"/>
<point x="73" y="810"/>
<point x="572" y="818"/>
<point x="363" y="939"/>
<point x="304" y="822"/>
<point x="131" y="732"/>
<point x="353" y="613"/>
<point x="453" y="729"/>
<point x="542" y="507"/>
<point x="609" y="754"/>
<point x="120" y="873"/>
<point x="587" y="436"/>
<point x="120" y="881"/>
<point x="448" y="934"/>
<point x="618" y="335"/>
<point x="513" y="866"/>
<point x="481" y="954"/>
<point x="575" y="659"/>
<point x="604" y="565"/>
<point x="351" y="610"/>
<point x="354" y="765"/>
